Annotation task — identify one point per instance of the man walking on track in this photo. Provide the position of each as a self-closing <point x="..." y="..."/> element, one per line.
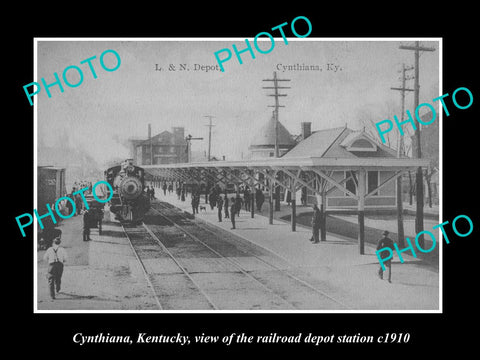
<point x="384" y="242"/>
<point x="56" y="257"/>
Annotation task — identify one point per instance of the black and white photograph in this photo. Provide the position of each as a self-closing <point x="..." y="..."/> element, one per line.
<point x="210" y="177"/>
<point x="283" y="183"/>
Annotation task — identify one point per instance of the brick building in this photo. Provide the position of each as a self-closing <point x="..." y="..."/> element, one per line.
<point x="164" y="148"/>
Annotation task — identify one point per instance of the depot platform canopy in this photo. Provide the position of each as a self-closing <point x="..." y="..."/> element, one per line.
<point x="287" y="172"/>
<point x="310" y="165"/>
<point x="297" y="163"/>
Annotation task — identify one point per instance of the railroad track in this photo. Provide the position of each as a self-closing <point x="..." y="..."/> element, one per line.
<point x="172" y="285"/>
<point x="249" y="280"/>
<point x="282" y="268"/>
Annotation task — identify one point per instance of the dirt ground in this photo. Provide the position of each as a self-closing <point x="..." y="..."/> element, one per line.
<point x="102" y="274"/>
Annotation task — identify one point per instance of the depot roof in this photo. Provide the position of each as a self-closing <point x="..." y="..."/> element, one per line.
<point x="340" y="142"/>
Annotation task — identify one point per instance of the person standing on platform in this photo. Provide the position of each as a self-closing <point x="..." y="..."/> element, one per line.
<point x="55" y="256"/>
<point x="182" y="194"/>
<point x="86" y="225"/>
<point x="316" y="221"/>
<point x="164" y="189"/>
<point x="238" y="204"/>
<point x="219" y="207"/>
<point x="226" y="206"/>
<point x="233" y="210"/>
<point x="192" y="202"/>
<point x="289" y="198"/>
<point x="384" y="242"/>
<point x="246" y="199"/>
<point x="303" y="197"/>
<point x="212" y="199"/>
<point x="69" y="205"/>
<point x="170" y="188"/>
<point x="78" y="204"/>
<point x="152" y="193"/>
<point x="260" y="198"/>
<point x="195" y="203"/>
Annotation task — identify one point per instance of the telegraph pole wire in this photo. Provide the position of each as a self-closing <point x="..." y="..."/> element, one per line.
<point x="419" y="176"/>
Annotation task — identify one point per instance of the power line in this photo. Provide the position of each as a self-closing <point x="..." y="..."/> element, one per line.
<point x="277" y="105"/>
<point x="419" y="176"/>
<point x="188" y="139"/>
<point x="403" y="89"/>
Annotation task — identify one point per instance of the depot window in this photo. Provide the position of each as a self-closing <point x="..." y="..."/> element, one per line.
<point x="350" y="183"/>
<point x="372" y="181"/>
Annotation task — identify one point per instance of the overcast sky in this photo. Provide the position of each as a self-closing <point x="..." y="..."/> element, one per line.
<point x="121" y="104"/>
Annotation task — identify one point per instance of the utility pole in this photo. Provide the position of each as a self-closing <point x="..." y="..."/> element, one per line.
<point x="275" y="115"/>
<point x="150" y="143"/>
<point x="209" y="134"/>
<point x="188" y="139"/>
<point x="403" y="89"/>
<point x="419" y="176"/>
<point x="276" y="106"/>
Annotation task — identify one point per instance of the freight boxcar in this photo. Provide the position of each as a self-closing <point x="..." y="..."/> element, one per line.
<point x="50" y="187"/>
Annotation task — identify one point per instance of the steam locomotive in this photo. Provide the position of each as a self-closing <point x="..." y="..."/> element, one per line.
<point x="129" y="202"/>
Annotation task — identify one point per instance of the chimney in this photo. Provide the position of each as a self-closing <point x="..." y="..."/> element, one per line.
<point x="149" y="131"/>
<point x="306" y="129"/>
<point x="179" y="135"/>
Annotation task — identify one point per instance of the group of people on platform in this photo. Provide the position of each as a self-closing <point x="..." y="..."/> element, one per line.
<point x="229" y="208"/>
<point x="66" y="208"/>
<point x="166" y="187"/>
<point x="303" y="197"/>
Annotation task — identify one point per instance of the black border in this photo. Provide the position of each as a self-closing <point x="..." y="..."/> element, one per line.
<point x="429" y="332"/>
